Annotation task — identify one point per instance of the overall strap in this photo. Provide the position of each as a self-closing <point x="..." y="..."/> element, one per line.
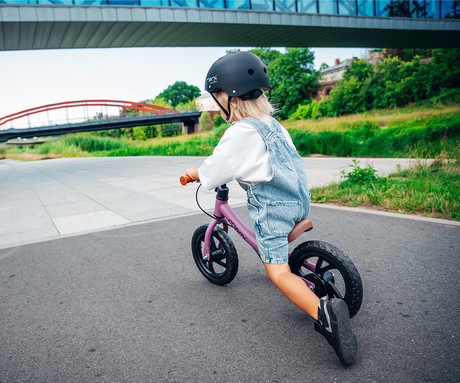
<point x="267" y="132"/>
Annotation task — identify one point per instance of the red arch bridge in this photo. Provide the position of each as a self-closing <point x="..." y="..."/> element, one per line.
<point x="90" y="115"/>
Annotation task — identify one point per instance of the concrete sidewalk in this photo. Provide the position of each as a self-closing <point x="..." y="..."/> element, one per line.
<point x="47" y="199"/>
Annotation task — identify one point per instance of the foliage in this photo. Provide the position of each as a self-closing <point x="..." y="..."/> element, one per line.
<point x="411" y="138"/>
<point x="358" y="174"/>
<point x="416" y="131"/>
<point x="87" y="143"/>
<point x="218" y="121"/>
<point x="205" y="122"/>
<point x="186" y="106"/>
<point x="267" y="55"/>
<point x="161" y="101"/>
<point x="220" y="126"/>
<point x="293" y="79"/>
<point x="292" y="76"/>
<point x="196" y="145"/>
<point x="143" y="133"/>
<point x="407" y="54"/>
<point x="392" y="83"/>
<point x="180" y="93"/>
<point x="432" y="191"/>
<point x="139" y="133"/>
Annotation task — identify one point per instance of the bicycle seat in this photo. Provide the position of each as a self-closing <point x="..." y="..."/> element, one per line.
<point x="299" y="228"/>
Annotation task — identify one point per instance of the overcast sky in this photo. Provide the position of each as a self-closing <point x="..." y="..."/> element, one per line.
<point x="34" y="78"/>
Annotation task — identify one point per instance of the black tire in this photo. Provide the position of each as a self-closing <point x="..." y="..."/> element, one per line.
<point x="223" y="266"/>
<point x="334" y="273"/>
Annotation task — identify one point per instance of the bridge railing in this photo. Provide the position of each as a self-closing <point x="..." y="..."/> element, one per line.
<point x="437" y="9"/>
<point x="123" y="109"/>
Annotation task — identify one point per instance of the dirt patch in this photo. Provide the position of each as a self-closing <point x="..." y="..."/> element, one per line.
<point x="30" y="156"/>
<point x="317" y="155"/>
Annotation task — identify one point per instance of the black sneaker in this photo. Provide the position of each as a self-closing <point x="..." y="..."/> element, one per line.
<point x="334" y="324"/>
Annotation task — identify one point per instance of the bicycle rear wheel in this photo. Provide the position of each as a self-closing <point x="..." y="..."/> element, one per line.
<point x="223" y="264"/>
<point x="330" y="270"/>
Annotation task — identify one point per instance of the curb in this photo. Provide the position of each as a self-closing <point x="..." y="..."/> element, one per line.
<point x="387" y="214"/>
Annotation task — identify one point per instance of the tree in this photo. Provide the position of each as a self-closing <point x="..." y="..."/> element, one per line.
<point x="267" y="55"/>
<point x="293" y="79"/>
<point x="292" y="76"/>
<point x="407" y="54"/>
<point x="360" y="69"/>
<point x="179" y="93"/>
<point x="348" y="97"/>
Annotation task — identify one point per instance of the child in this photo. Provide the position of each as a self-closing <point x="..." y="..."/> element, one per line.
<point x="258" y="152"/>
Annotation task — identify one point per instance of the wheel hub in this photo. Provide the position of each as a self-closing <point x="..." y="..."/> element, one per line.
<point x="320" y="286"/>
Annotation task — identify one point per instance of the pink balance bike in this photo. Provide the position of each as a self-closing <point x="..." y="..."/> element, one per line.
<point x="326" y="270"/>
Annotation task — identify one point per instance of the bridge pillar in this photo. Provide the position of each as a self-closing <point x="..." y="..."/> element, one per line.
<point x="190" y="126"/>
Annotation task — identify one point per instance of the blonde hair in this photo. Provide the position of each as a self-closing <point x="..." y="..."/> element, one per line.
<point x="240" y="109"/>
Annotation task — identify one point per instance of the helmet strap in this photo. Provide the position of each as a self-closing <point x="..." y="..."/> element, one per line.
<point x="227" y="113"/>
<point x="229" y="109"/>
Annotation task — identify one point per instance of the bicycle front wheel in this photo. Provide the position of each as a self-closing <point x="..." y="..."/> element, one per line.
<point x="223" y="264"/>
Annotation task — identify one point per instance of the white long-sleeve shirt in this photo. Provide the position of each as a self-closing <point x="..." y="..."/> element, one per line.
<point x="241" y="154"/>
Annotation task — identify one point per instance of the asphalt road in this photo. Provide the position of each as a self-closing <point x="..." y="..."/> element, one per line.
<point x="129" y="305"/>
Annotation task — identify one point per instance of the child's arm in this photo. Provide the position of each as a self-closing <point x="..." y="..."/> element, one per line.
<point x="192" y="172"/>
<point x="241" y="154"/>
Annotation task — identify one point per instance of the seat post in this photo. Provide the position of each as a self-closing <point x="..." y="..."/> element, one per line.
<point x="222" y="193"/>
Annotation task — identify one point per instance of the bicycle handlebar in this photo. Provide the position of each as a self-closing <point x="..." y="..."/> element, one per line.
<point x="184" y="180"/>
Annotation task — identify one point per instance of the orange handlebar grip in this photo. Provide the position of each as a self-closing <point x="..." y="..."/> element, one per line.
<point x="184" y="180"/>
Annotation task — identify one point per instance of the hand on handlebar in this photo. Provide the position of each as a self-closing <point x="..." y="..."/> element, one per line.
<point x="191" y="175"/>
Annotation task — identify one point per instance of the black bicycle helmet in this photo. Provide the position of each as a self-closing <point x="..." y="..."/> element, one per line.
<point x="240" y="74"/>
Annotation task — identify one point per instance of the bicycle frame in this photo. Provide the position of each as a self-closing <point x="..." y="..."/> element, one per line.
<point x="227" y="217"/>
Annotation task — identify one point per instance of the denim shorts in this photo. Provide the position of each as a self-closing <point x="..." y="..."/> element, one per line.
<point x="273" y="227"/>
<point x="273" y="249"/>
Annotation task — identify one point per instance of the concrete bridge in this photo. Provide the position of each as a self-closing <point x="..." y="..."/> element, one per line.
<point x="293" y="23"/>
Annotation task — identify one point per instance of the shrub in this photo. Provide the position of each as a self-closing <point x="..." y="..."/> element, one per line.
<point x="205" y="122"/>
<point x="358" y="174"/>
<point x="139" y="133"/>
<point x="218" y="121"/>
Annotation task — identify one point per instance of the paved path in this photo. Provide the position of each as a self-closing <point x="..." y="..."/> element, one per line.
<point x="129" y="305"/>
<point x="48" y="199"/>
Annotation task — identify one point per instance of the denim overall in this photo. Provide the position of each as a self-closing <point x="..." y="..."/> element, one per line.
<point x="277" y="205"/>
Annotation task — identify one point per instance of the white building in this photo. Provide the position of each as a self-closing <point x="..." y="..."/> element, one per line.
<point x="206" y="103"/>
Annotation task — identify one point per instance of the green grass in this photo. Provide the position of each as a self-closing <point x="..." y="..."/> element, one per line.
<point x="432" y="191"/>
<point x="382" y="118"/>
<point x="81" y="145"/>
<point x="414" y="138"/>
<point x="415" y="131"/>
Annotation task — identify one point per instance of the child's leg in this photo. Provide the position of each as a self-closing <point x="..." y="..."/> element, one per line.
<point x="293" y="287"/>
<point x="333" y="322"/>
